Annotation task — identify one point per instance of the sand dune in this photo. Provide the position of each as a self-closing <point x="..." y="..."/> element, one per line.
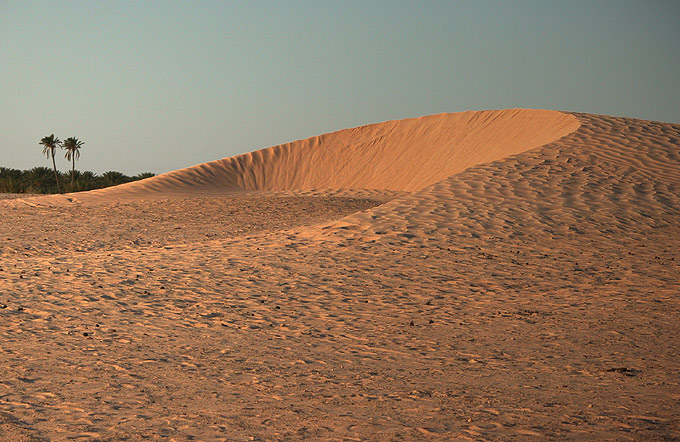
<point x="618" y="174"/>
<point x="499" y="275"/>
<point x="403" y="155"/>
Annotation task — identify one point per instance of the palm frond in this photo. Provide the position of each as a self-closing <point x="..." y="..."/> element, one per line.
<point x="72" y="146"/>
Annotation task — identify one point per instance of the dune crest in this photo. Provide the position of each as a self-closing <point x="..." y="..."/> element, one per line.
<point x="401" y="155"/>
<point x="613" y="174"/>
<point x="530" y="297"/>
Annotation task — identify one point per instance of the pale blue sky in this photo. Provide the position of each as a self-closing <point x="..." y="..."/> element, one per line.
<point x="160" y="85"/>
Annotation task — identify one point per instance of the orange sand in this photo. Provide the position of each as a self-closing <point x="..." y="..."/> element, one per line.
<point x="497" y="275"/>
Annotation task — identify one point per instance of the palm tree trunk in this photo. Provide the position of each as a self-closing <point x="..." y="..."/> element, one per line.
<point x="56" y="175"/>
<point x="73" y="172"/>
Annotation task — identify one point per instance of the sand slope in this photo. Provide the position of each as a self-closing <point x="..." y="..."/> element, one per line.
<point x="403" y="155"/>
<point x="615" y="175"/>
<point x="530" y="294"/>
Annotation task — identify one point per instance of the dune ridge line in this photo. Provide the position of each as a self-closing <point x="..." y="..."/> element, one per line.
<point x="399" y="155"/>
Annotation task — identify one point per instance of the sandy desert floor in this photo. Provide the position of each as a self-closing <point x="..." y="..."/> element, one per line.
<point x="528" y="297"/>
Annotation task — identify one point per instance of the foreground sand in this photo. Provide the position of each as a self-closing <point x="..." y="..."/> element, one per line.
<point x="529" y="296"/>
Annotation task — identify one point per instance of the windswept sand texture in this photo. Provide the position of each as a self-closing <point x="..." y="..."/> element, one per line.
<point x="403" y="155"/>
<point x="501" y="275"/>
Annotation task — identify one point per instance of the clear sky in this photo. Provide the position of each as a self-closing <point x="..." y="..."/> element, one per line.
<point x="160" y="85"/>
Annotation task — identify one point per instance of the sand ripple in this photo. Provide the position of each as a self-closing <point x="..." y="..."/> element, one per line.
<point x="528" y="297"/>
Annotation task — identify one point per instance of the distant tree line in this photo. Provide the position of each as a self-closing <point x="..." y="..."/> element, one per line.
<point x="44" y="180"/>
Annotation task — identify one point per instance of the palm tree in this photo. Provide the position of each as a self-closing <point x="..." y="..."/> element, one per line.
<point x="38" y="180"/>
<point x="72" y="146"/>
<point x="88" y="180"/>
<point x="50" y="144"/>
<point x="74" y="177"/>
<point x="10" y="180"/>
<point x="113" y="178"/>
<point x="143" y="175"/>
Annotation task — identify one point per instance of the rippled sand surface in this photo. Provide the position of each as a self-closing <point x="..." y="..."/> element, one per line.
<point x="529" y="296"/>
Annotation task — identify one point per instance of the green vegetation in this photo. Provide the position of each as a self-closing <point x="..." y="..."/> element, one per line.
<point x="43" y="180"/>
<point x="50" y="144"/>
<point x="72" y="146"/>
